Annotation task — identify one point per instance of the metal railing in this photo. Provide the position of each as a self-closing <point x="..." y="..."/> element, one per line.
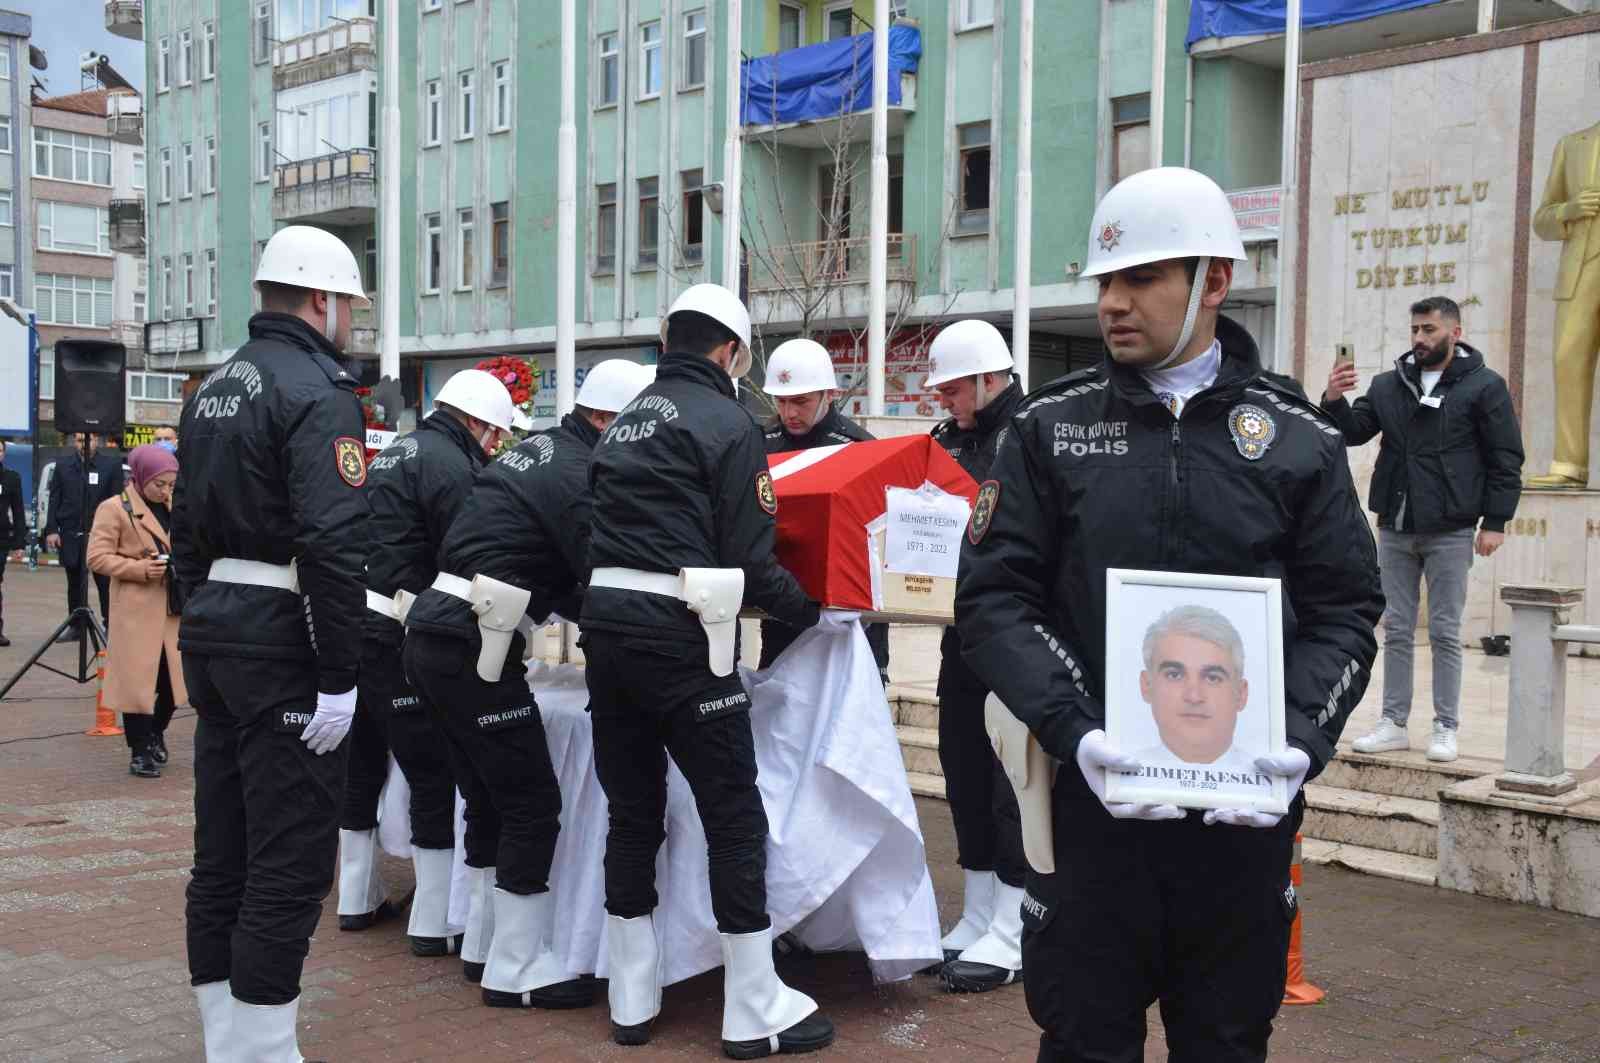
<point x="359" y="32"/>
<point x="1536" y="708"/>
<point x="823" y="264"/>
<point x="127" y="225"/>
<point x="352" y="164"/>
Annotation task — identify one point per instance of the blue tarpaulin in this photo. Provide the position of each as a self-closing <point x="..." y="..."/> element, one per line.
<point x="1241" y="18"/>
<point x="824" y="80"/>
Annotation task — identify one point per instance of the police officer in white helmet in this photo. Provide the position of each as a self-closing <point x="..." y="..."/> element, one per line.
<point x="682" y="535"/>
<point x="802" y="385"/>
<point x="970" y="367"/>
<point x="269" y="536"/>
<point x="1177" y="453"/>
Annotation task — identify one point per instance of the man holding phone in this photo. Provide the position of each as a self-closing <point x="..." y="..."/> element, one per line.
<point x="1448" y="477"/>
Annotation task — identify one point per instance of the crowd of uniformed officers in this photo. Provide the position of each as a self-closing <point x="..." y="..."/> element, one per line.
<point x="647" y="516"/>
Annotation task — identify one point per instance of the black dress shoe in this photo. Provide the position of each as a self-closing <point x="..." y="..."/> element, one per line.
<point x="158" y="749"/>
<point x="143" y="764"/>
<point x="574" y="993"/>
<point x="632" y="1036"/>
<point x="4" y="641"/>
<point x="366" y="920"/>
<point x="449" y="946"/>
<point x="964" y="976"/>
<point x="472" y="972"/>
<point x="810" y="1034"/>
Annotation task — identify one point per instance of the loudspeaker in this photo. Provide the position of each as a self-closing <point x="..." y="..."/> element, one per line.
<point x="91" y="386"/>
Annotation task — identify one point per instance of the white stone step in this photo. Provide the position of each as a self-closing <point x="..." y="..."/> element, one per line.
<point x="1403" y="774"/>
<point x="920" y="748"/>
<point x="1375" y="821"/>
<point x="1400" y="866"/>
<point x="915" y="708"/>
<point x="925" y="785"/>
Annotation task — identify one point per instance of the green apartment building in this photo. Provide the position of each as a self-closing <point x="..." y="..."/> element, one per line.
<point x="261" y="113"/>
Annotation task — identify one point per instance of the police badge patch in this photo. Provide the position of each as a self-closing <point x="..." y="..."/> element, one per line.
<point x="349" y="457"/>
<point x="1110" y="235"/>
<point x="983" y="511"/>
<point x="765" y="494"/>
<point x="1253" y="430"/>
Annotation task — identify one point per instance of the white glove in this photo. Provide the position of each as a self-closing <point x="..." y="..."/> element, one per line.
<point x="837" y="620"/>
<point x="1292" y="765"/>
<point x="1096" y="756"/>
<point x="331" y="722"/>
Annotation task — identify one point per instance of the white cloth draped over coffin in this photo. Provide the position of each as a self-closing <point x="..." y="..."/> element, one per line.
<point x="845" y="863"/>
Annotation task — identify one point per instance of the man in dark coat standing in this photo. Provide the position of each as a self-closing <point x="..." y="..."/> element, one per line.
<point x="72" y="511"/>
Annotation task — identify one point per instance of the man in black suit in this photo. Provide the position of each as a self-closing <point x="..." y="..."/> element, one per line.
<point x="13" y="527"/>
<point x="71" y="513"/>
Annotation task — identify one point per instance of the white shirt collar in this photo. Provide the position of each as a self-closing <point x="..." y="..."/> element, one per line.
<point x="1177" y="385"/>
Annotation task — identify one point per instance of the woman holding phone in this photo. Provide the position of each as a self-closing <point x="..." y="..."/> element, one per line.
<point x="130" y="543"/>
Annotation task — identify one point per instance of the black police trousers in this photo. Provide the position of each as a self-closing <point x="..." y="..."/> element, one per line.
<point x="982" y="802"/>
<point x="1196" y="917"/>
<point x="649" y="698"/>
<point x="502" y="762"/>
<point x="776" y="636"/>
<point x="389" y="715"/>
<point x="266" y="824"/>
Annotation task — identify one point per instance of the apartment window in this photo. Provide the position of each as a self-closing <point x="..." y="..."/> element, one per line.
<point x="502" y="95"/>
<point x="369" y="264"/>
<point x="605" y="228"/>
<point x="649" y="220"/>
<point x="5" y="65"/>
<point x="974" y="199"/>
<point x="139" y="299"/>
<point x="649" y="60"/>
<point x="609" y="69"/>
<point x="975" y="13"/>
<point x="211" y="282"/>
<point x="47" y="372"/>
<point x="897" y="199"/>
<point x="76" y="157"/>
<point x="211" y="164"/>
<point x="467" y="98"/>
<point x="208" y="50"/>
<point x="163" y="64"/>
<point x="188" y="171"/>
<point x="5" y="209"/>
<point x="166" y="174"/>
<point x="433" y="112"/>
<point x="791" y="26"/>
<point x="466" y="249"/>
<point x="694" y="49"/>
<point x="166" y="287"/>
<point x="840" y="22"/>
<point x="263" y="151"/>
<point x="188" y="284"/>
<point x="432" y="252"/>
<point x="8" y="283"/>
<point x="262" y="36"/>
<point x="186" y="57"/>
<point x="76" y="229"/>
<point x="693" y="216"/>
<point x="1130" y="135"/>
<point x="156" y="387"/>
<point x="61" y="299"/>
<point x="5" y="134"/>
<point x="138" y="170"/>
<point x="499" y="244"/>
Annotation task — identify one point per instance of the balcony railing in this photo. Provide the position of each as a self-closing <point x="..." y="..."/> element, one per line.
<point x="825" y="265"/>
<point x="125" y="18"/>
<point x="125" y="116"/>
<point x="330" y="52"/>
<point x="127" y="226"/>
<point x="337" y="189"/>
<point x="130" y="334"/>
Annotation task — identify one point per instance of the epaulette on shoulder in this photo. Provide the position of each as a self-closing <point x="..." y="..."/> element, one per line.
<point x="1285" y="395"/>
<point x="1073" y="384"/>
<point x="335" y="372"/>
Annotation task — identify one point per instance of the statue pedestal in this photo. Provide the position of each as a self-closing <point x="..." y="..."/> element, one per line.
<point x="1555" y="538"/>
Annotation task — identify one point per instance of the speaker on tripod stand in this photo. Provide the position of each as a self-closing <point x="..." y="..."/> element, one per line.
<point x="91" y="388"/>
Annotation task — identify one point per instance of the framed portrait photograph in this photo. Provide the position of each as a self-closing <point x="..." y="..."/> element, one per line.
<point x="1194" y="688"/>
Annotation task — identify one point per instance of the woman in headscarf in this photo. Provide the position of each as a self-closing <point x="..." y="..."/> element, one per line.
<point x="131" y="544"/>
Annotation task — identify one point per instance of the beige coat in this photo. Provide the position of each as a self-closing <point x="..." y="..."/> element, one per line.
<point x="125" y="535"/>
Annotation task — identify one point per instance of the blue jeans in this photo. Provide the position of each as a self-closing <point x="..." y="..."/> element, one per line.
<point x="1404" y="560"/>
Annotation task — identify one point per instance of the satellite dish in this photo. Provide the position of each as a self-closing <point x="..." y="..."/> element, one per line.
<point x="36" y="58"/>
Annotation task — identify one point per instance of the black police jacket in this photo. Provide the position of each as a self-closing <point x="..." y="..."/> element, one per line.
<point x="680" y="481"/>
<point x="1441" y="467"/>
<point x="13" y="516"/>
<point x="1095" y="473"/>
<point x="67" y="516"/>
<point x="525" y="522"/>
<point x="414" y="490"/>
<point x="833" y="429"/>
<point x="270" y="468"/>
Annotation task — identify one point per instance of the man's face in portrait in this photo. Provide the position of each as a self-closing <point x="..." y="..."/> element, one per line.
<point x="1196" y="693"/>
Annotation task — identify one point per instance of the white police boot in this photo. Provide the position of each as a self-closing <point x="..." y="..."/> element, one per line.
<point x="634" y="990"/>
<point x="760" y="1015"/>
<point x="362" y="900"/>
<point x="429" y="930"/>
<point x="995" y="959"/>
<point x="216" y="1018"/>
<point x="977" y="912"/>
<point x="264" y="1033"/>
<point x="522" y="970"/>
<point x="480" y="922"/>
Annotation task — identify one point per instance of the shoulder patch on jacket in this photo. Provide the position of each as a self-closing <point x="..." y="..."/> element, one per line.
<point x="349" y="457"/>
<point x="766" y="494"/>
<point x="1295" y="406"/>
<point x="983" y="511"/>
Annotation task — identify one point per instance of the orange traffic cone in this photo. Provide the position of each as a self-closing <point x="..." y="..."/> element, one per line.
<point x="1298" y="991"/>
<point x="105" y="721"/>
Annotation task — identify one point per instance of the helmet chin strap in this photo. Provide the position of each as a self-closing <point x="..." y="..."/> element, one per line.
<point x="330" y="325"/>
<point x="980" y="391"/>
<point x="822" y="411"/>
<point x="1195" y="291"/>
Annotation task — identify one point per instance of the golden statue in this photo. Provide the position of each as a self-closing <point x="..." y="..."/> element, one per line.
<point x="1568" y="213"/>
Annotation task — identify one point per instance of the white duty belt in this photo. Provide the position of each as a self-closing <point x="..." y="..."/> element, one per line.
<point x="256" y="573"/>
<point x="394" y="608"/>
<point x="713" y="594"/>
<point x="501" y="609"/>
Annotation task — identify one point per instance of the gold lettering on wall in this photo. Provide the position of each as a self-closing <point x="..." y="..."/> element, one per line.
<point x="1380" y="241"/>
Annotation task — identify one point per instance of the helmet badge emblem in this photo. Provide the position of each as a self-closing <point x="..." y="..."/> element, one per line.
<point x="1110" y="235"/>
<point x="784" y="376"/>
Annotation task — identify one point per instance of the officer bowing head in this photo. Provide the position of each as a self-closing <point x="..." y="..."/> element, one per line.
<point x="483" y="405"/>
<point x="801" y="382"/>
<point x="309" y="273"/>
<point x="610" y="386"/>
<point x="969" y="365"/>
<point x="709" y="320"/>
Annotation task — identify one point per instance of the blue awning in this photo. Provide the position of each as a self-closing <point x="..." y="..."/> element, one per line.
<point x="824" y="80"/>
<point x="1243" y="18"/>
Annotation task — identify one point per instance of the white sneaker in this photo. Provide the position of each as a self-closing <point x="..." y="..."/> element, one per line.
<point x="1387" y="737"/>
<point x="1442" y="747"/>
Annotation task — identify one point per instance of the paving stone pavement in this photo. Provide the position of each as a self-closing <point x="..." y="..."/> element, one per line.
<point x="93" y="864"/>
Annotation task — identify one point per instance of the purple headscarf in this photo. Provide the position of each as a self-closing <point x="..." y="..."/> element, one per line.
<point x="148" y="461"/>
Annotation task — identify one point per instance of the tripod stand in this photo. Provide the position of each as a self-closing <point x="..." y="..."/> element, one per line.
<point x="83" y="617"/>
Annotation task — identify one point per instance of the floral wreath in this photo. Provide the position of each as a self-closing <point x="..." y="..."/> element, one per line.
<point x="521" y="378"/>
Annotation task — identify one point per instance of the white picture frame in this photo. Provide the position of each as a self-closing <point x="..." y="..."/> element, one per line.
<point x="1174" y="679"/>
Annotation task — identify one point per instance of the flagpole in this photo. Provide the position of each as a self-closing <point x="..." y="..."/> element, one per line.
<point x="567" y="217"/>
<point x="1022" y="279"/>
<point x="1288" y="216"/>
<point x="878" y="246"/>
